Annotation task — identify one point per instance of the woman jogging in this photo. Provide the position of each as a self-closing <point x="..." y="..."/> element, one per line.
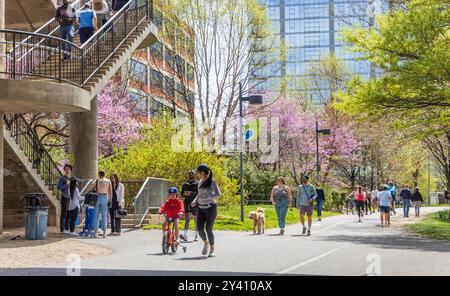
<point x="360" y="201"/>
<point x="208" y="192"/>
<point x="281" y="198"/>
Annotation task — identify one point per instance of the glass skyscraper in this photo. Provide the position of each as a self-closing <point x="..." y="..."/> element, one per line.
<point x="311" y="30"/>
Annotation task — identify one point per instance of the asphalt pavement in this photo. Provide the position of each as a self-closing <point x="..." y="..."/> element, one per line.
<point x="339" y="245"/>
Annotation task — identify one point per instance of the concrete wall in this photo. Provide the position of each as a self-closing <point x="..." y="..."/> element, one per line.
<point x="17" y="183"/>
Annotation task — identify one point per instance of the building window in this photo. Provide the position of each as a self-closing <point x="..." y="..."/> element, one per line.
<point x="139" y="102"/>
<point x="156" y="50"/>
<point x="169" y="87"/>
<point x="156" y="79"/>
<point x="138" y="71"/>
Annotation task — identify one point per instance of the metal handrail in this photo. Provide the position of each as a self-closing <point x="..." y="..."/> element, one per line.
<point x="34" y="150"/>
<point x="44" y="59"/>
<point x="52" y="22"/>
<point x="143" y="202"/>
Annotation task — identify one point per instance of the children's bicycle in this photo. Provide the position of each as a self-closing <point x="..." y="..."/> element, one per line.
<point x="168" y="241"/>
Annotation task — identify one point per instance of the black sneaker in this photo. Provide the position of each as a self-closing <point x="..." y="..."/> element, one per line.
<point x="304" y="230"/>
<point x="309" y="232"/>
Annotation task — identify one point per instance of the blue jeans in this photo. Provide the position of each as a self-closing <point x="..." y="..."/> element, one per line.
<point x="101" y="208"/>
<point x="319" y="207"/>
<point x="281" y="207"/>
<point x="406" y="206"/>
<point x="66" y="32"/>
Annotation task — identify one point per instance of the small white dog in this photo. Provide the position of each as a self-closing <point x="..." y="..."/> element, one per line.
<point x="259" y="220"/>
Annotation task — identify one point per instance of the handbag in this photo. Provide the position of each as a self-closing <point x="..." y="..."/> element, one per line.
<point x="91" y="197"/>
<point x="310" y="200"/>
<point x="121" y="213"/>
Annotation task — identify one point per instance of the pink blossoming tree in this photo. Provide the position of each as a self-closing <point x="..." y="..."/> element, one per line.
<point x="116" y="125"/>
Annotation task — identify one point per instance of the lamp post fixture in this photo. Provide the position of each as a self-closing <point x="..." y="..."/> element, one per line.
<point x="253" y="100"/>
<point x="325" y="132"/>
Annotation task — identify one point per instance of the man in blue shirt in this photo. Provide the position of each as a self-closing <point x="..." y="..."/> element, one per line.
<point x="305" y="198"/>
<point x="393" y="191"/>
<point x="406" y="196"/>
<point x="87" y="20"/>
<point x="63" y="186"/>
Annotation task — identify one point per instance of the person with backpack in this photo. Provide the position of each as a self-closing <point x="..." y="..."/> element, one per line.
<point x="101" y="9"/>
<point x="208" y="192"/>
<point x="189" y="192"/>
<point x="65" y="15"/>
<point x="87" y="20"/>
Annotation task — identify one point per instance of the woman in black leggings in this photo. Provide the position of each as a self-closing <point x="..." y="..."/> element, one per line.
<point x="208" y="192"/>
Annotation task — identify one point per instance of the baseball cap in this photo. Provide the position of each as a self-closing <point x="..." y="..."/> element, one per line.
<point x="173" y="190"/>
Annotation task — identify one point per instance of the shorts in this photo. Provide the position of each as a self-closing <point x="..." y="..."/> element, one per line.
<point x="385" y="209"/>
<point x="306" y="209"/>
<point x="190" y="210"/>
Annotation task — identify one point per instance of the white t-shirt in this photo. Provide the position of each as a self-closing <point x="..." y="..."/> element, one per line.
<point x="385" y="198"/>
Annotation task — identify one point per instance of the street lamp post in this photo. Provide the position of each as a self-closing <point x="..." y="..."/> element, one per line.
<point x="253" y="100"/>
<point x="325" y="132"/>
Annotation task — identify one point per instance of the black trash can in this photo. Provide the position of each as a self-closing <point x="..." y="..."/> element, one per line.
<point x="34" y="199"/>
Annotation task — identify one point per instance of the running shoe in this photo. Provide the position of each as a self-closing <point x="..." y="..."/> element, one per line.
<point x="309" y="232"/>
<point x="212" y="253"/>
<point x="304" y="230"/>
<point x="282" y="231"/>
<point x="205" y="249"/>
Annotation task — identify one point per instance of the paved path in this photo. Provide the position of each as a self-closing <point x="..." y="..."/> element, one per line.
<point x="338" y="246"/>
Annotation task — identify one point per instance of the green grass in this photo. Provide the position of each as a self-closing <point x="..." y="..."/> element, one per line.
<point x="229" y="219"/>
<point x="434" y="226"/>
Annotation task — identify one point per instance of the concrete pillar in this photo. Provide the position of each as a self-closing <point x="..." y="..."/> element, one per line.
<point x="2" y="51"/>
<point x="84" y="142"/>
<point x="1" y="171"/>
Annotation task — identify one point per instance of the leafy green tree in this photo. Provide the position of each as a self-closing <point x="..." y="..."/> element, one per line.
<point x="154" y="156"/>
<point x="411" y="48"/>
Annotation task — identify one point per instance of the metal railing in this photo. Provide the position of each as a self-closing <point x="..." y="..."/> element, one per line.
<point x="151" y="195"/>
<point x="39" y="55"/>
<point x="33" y="149"/>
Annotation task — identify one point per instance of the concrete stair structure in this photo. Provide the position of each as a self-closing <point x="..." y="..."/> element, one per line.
<point x="150" y="219"/>
<point x="33" y="79"/>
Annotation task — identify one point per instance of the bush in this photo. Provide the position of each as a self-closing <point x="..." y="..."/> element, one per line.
<point x="335" y="201"/>
<point x="153" y="156"/>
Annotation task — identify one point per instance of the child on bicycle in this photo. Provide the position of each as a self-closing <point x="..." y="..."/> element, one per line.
<point x="173" y="208"/>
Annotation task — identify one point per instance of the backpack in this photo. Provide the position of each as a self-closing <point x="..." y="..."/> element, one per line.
<point x="97" y="5"/>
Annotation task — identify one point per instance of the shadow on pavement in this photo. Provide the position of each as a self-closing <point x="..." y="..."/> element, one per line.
<point x="402" y="242"/>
